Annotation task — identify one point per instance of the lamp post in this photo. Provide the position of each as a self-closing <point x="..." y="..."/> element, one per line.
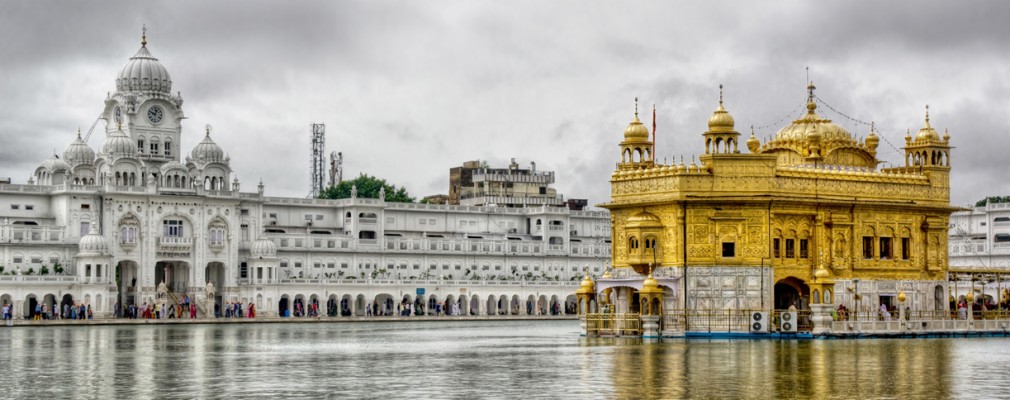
<point x="901" y="307"/>
<point x="856" y="296"/>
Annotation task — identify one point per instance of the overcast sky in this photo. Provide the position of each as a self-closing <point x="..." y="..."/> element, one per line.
<point x="409" y="89"/>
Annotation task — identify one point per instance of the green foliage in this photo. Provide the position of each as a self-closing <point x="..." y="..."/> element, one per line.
<point x="44" y="270"/>
<point x="368" y="187"/>
<point x="992" y="199"/>
<point x="57" y="268"/>
<point x="30" y="271"/>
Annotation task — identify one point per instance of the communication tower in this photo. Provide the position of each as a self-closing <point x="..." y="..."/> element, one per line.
<point x="336" y="168"/>
<point x="318" y="157"/>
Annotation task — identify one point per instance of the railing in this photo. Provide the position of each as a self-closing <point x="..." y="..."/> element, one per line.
<point x="608" y="324"/>
<point x="426" y="282"/>
<point x="39" y="278"/>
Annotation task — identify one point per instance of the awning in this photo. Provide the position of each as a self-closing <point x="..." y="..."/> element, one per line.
<point x="606" y="283"/>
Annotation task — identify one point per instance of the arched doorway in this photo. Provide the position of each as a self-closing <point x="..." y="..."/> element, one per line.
<point x="791" y="291"/>
<point x="30" y="302"/>
<point x="331" y="306"/>
<point x="175" y="274"/>
<point x="282" y="307"/>
<point x="126" y="282"/>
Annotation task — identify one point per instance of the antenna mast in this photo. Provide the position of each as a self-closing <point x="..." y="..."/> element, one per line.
<point x="336" y="168"/>
<point x="318" y="156"/>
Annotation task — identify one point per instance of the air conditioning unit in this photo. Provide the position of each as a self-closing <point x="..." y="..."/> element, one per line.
<point x="788" y="322"/>
<point x="759" y="322"/>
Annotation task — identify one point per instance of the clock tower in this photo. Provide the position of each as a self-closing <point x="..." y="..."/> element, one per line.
<point x="144" y="106"/>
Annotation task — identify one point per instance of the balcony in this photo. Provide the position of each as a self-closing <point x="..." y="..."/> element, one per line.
<point x="174" y="243"/>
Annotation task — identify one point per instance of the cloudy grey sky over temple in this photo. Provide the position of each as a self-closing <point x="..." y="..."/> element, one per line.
<point x="409" y="89"/>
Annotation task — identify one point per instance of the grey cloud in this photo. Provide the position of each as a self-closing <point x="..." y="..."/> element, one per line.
<point x="410" y="90"/>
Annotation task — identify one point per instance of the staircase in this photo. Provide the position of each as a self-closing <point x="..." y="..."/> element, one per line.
<point x="174" y="298"/>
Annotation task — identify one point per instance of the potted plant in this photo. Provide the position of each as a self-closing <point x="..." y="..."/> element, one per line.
<point x="58" y="268"/>
<point x="44" y="270"/>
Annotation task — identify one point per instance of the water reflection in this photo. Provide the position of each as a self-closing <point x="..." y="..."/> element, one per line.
<point x="479" y="359"/>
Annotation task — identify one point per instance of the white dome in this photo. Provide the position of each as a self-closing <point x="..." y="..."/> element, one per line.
<point x="264" y="248"/>
<point x="93" y="243"/>
<point x="55" y="164"/>
<point x="207" y="151"/>
<point x="173" y="165"/>
<point x="119" y="145"/>
<point x="78" y="152"/>
<point x="143" y="73"/>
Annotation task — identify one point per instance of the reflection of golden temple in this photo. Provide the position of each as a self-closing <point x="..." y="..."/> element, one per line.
<point x="778" y="227"/>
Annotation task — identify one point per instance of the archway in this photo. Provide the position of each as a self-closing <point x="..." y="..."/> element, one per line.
<point x="65" y="303"/>
<point x="126" y="282"/>
<point x="514" y="305"/>
<point x="385" y="304"/>
<point x="345" y="305"/>
<point x="313" y="307"/>
<point x="49" y="301"/>
<point x="530" y="304"/>
<point x="939" y="300"/>
<point x="571" y="303"/>
<point x="451" y="307"/>
<point x="30" y="303"/>
<point x="283" y="306"/>
<point x="214" y="273"/>
<point x="503" y="305"/>
<point x="433" y="305"/>
<point x="298" y="307"/>
<point x="555" y="308"/>
<point x="331" y="306"/>
<point x="791" y="291"/>
<point x="175" y="274"/>
<point x="474" y="305"/>
<point x="542" y="305"/>
<point x="463" y="305"/>
<point x="360" y="304"/>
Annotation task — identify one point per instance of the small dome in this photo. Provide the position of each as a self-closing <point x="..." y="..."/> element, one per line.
<point x="753" y="144"/>
<point x="119" y="145"/>
<point x="78" y="152"/>
<point x="927" y="133"/>
<point x="644" y="219"/>
<point x="636" y="130"/>
<point x="173" y="165"/>
<point x="650" y="285"/>
<point x="93" y="243"/>
<point x="143" y="73"/>
<point x="55" y="164"/>
<point x="207" y="151"/>
<point x="263" y="248"/>
<point x="587" y="285"/>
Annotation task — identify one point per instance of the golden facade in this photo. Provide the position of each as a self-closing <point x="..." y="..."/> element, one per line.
<point x="767" y="223"/>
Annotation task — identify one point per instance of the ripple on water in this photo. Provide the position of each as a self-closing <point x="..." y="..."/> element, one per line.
<point x="479" y="359"/>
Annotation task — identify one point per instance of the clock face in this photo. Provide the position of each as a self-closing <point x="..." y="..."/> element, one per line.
<point x="154" y="114"/>
<point x="119" y="115"/>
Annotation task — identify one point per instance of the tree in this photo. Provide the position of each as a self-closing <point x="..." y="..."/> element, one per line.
<point x="368" y="187"/>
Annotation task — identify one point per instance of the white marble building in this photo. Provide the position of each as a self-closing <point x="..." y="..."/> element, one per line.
<point x="979" y="241"/>
<point x="107" y="227"/>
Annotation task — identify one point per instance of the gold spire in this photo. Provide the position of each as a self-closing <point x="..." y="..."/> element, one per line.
<point x="636" y="108"/>
<point x="720" y="95"/>
<point x="927" y="114"/>
<point x="78" y="132"/>
<point x="811" y="106"/>
<point x="143" y="36"/>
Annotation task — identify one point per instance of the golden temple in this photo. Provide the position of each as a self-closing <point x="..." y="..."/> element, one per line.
<point x="779" y="225"/>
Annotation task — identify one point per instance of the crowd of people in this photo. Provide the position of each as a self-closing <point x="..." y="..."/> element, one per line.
<point x="45" y="312"/>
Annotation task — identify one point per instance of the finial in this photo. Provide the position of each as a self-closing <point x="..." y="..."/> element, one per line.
<point x="636" y="107"/>
<point x="143" y="36"/>
<point x="208" y="128"/>
<point x="720" y="94"/>
<point x="119" y="125"/>
<point x="872" y="127"/>
<point x="927" y="113"/>
<point x="78" y="132"/>
<point x="752" y="130"/>
<point x="810" y="91"/>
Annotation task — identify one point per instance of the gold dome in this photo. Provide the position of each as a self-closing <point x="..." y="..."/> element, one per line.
<point x="650" y="285"/>
<point x="587" y="285"/>
<point x="753" y="144"/>
<point x="927" y="133"/>
<point x="636" y="130"/>
<point x="822" y="273"/>
<point x="720" y="121"/>
<point x="643" y="219"/>
<point x="901" y="296"/>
